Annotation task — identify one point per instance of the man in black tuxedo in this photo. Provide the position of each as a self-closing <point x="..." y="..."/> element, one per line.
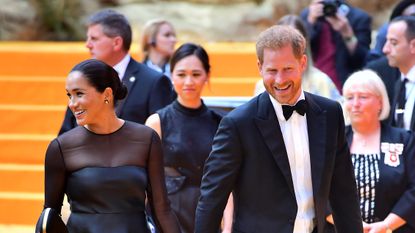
<point x="400" y="52"/>
<point x="283" y="167"/>
<point x="109" y="39"/>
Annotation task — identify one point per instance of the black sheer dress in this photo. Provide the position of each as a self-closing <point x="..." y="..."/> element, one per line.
<point x="107" y="178"/>
<point x="187" y="136"/>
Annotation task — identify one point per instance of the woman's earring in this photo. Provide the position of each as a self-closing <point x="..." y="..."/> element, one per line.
<point x="106" y="101"/>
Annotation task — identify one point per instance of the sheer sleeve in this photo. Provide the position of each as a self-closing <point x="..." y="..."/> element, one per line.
<point x="55" y="177"/>
<point x="164" y="217"/>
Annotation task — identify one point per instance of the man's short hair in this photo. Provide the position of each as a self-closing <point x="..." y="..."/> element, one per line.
<point x="409" y="20"/>
<point x="113" y="24"/>
<point x="279" y="36"/>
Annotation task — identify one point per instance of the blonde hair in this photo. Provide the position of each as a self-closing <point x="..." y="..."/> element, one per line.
<point x="370" y="81"/>
<point x="150" y="30"/>
<point x="277" y="37"/>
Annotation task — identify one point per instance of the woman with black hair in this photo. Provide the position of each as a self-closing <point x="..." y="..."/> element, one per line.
<point x="106" y="166"/>
<point x="186" y="128"/>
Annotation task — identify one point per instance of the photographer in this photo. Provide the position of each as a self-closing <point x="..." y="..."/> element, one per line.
<point x="340" y="37"/>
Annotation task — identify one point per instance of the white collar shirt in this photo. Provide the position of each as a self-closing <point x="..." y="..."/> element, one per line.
<point x="410" y="97"/>
<point x="295" y="134"/>
<point x="121" y="66"/>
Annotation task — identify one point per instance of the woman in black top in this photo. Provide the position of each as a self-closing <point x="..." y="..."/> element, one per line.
<point x="106" y="166"/>
<point x="186" y="128"/>
<point x="383" y="157"/>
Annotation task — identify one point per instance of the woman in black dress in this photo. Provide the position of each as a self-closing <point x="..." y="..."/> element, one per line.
<point x="186" y="128"/>
<point x="106" y="166"/>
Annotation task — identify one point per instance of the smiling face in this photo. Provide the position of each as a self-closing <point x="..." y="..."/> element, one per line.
<point x="281" y="72"/>
<point x="189" y="77"/>
<point x="85" y="102"/>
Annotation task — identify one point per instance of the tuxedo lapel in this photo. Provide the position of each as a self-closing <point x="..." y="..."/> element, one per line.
<point x="316" y="123"/>
<point x="128" y="80"/>
<point x="394" y="101"/>
<point x="269" y="128"/>
<point x="412" y="125"/>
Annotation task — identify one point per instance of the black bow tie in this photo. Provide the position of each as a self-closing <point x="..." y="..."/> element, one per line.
<point x="300" y="107"/>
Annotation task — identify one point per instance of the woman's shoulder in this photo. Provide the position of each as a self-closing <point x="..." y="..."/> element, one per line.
<point x="137" y="132"/>
<point x="136" y="128"/>
<point x="394" y="134"/>
<point x="388" y="129"/>
<point x="72" y="135"/>
<point x="216" y="114"/>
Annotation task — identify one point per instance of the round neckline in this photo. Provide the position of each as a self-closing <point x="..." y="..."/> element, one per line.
<point x="189" y="111"/>
<point x="101" y="134"/>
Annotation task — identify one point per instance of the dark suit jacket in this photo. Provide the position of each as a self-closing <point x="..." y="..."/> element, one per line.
<point x="346" y="63"/>
<point x="391" y="119"/>
<point x="148" y="91"/>
<point x="388" y="74"/>
<point x="249" y="158"/>
<point x="395" y="191"/>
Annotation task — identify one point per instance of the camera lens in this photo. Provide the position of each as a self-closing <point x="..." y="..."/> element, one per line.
<point x="330" y="8"/>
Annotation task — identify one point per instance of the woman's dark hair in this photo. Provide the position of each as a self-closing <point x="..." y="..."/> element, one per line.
<point x="100" y="76"/>
<point x="189" y="49"/>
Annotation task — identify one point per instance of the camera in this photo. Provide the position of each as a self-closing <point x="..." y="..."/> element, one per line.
<point x="330" y="7"/>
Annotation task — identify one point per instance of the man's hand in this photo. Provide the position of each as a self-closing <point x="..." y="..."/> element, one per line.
<point x="340" y="24"/>
<point x="316" y="11"/>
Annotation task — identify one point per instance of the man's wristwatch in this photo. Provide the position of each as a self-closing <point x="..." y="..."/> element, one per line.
<point x="350" y="39"/>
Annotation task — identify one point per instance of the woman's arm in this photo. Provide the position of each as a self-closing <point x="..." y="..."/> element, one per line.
<point x="163" y="215"/>
<point x="153" y="122"/>
<point x="55" y="180"/>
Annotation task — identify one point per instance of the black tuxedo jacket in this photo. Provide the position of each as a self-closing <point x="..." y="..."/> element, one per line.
<point x="148" y="91"/>
<point x="395" y="191"/>
<point x="249" y="159"/>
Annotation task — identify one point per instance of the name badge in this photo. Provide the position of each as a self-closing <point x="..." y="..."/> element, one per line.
<point x="392" y="152"/>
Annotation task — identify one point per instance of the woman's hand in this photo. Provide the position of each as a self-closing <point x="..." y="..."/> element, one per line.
<point x="376" y="227"/>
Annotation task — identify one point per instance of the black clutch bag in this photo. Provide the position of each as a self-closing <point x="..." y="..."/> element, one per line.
<point x="50" y="222"/>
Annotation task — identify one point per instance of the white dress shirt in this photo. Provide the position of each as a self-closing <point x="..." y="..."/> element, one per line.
<point x="295" y="134"/>
<point x="121" y="66"/>
<point x="409" y="97"/>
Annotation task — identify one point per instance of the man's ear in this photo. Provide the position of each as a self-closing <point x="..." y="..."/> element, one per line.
<point x="303" y="62"/>
<point x="259" y="66"/>
<point x="412" y="46"/>
<point x="118" y="43"/>
<point x="108" y="93"/>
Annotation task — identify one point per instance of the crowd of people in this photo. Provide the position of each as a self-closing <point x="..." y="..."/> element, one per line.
<point x="326" y="144"/>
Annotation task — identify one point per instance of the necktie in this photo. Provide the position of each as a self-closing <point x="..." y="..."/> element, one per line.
<point x="300" y="107"/>
<point x="400" y="105"/>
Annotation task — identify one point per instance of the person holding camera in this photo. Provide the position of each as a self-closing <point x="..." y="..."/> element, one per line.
<point x="340" y="37"/>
